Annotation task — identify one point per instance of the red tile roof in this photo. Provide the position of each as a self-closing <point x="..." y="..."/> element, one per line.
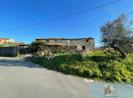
<point x="4" y="38"/>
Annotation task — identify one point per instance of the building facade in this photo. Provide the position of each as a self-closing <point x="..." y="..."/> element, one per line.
<point x="5" y="40"/>
<point x="86" y="44"/>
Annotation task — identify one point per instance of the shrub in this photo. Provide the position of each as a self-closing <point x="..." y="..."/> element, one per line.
<point x="98" y="65"/>
<point x="115" y="71"/>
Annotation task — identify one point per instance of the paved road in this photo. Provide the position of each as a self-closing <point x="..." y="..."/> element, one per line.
<point x="21" y="79"/>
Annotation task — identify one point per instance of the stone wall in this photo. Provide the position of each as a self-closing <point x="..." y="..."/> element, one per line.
<point x="87" y="44"/>
<point x="48" y="50"/>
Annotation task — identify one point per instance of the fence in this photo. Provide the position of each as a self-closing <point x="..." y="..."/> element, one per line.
<point x="9" y="51"/>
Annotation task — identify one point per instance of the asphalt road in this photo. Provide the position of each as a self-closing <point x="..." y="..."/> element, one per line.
<point x="21" y="79"/>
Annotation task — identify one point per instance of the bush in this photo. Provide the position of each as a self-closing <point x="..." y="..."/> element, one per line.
<point x="97" y="65"/>
<point x="115" y="71"/>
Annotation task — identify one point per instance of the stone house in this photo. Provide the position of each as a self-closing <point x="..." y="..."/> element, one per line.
<point x="85" y="44"/>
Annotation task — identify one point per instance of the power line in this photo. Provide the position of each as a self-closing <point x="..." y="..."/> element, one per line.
<point x="131" y="12"/>
<point x="62" y="17"/>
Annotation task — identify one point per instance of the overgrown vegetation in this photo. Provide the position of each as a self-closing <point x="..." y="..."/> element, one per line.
<point x="118" y="34"/>
<point x="103" y="65"/>
<point x="42" y="48"/>
<point x="114" y="65"/>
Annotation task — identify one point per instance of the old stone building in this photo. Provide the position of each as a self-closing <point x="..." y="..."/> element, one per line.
<point x="86" y="44"/>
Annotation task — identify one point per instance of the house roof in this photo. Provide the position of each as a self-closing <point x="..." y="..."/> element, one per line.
<point x="4" y="39"/>
<point x="63" y="38"/>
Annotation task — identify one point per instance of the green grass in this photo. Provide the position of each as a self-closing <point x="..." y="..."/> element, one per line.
<point x="102" y="65"/>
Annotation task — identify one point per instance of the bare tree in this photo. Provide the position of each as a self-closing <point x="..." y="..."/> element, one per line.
<point x="118" y="34"/>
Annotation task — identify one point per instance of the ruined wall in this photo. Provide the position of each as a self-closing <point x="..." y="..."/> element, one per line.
<point x="84" y="44"/>
<point x="81" y="44"/>
<point x="87" y="44"/>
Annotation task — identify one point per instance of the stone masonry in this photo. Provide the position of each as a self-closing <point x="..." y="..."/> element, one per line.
<point x="85" y="44"/>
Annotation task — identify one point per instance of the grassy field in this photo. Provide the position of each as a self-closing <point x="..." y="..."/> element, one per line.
<point x="101" y="65"/>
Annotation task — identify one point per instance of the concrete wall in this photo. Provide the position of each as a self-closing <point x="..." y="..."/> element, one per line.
<point x="9" y="51"/>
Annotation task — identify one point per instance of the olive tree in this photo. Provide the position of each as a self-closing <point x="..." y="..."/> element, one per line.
<point x="118" y="34"/>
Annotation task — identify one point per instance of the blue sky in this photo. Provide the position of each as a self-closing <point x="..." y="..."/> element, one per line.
<point x="16" y="13"/>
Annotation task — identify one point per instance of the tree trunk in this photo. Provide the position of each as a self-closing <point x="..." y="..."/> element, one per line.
<point x="123" y="54"/>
